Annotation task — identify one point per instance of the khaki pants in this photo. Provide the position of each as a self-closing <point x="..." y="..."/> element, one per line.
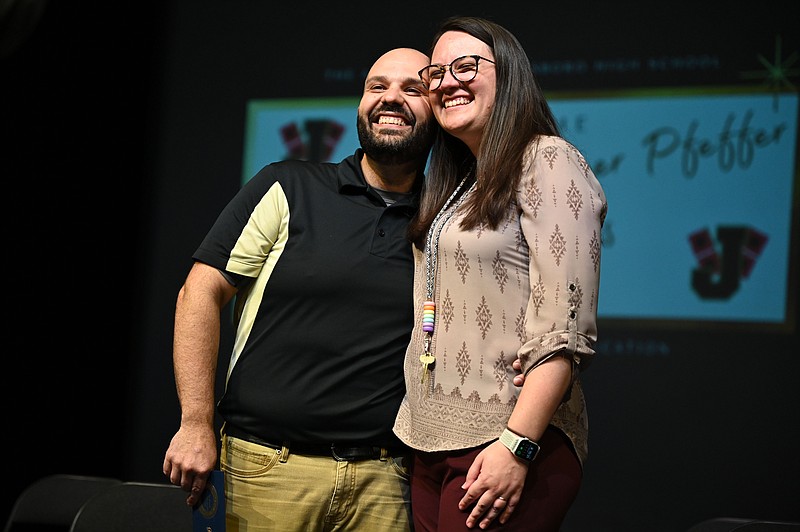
<point x="269" y="489"/>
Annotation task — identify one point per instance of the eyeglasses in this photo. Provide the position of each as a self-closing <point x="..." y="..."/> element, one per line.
<point x="463" y="69"/>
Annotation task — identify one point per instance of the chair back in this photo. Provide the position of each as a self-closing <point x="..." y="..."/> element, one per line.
<point x="135" y="507"/>
<point x="738" y="524"/>
<point x="52" y="502"/>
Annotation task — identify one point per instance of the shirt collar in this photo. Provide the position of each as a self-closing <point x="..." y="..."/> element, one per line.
<point x="352" y="181"/>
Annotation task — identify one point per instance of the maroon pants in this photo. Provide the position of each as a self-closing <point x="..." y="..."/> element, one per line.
<point x="550" y="488"/>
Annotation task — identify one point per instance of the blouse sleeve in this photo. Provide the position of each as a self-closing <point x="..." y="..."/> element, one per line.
<point x="562" y="209"/>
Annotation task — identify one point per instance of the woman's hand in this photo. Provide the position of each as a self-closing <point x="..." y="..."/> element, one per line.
<point x="494" y="485"/>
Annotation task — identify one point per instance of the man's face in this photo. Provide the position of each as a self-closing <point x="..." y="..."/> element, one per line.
<point x="395" y="123"/>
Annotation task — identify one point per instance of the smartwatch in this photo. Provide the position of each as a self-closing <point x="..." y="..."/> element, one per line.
<point x="520" y="446"/>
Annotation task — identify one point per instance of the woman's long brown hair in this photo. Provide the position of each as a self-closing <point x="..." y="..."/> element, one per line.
<point x="519" y="116"/>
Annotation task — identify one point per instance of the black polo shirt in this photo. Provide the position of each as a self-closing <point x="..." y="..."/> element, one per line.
<point x="324" y="321"/>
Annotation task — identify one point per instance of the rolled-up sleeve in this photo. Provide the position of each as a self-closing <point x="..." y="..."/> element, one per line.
<point x="562" y="209"/>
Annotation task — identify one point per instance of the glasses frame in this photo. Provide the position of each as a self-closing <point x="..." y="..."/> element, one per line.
<point x="444" y="68"/>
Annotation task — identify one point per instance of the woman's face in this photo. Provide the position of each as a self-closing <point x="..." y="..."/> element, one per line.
<point x="463" y="108"/>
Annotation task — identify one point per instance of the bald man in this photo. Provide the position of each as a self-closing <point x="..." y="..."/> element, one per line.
<point x="317" y="258"/>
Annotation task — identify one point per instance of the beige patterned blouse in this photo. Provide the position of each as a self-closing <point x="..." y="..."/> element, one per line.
<point x="527" y="290"/>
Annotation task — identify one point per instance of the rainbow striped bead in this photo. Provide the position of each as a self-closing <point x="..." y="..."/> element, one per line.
<point x="428" y="315"/>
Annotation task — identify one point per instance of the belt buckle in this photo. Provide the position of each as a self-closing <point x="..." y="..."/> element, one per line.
<point x="336" y="455"/>
<point x="345" y="457"/>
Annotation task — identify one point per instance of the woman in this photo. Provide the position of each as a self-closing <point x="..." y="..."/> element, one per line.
<point x="507" y="252"/>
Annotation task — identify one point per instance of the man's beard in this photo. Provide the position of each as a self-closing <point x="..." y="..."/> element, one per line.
<point x="396" y="149"/>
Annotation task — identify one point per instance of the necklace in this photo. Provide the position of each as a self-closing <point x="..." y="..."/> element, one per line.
<point x="431" y="258"/>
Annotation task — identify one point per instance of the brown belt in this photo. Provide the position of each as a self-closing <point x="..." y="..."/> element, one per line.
<point x="347" y="452"/>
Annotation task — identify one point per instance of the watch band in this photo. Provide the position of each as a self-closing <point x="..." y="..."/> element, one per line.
<point x="520" y="446"/>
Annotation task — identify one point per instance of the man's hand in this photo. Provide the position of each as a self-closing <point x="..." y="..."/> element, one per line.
<point x="519" y="379"/>
<point x="191" y="457"/>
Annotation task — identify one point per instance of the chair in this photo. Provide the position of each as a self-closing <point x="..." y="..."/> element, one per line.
<point x="136" y="507"/>
<point x="52" y="502"/>
<point x="730" y="524"/>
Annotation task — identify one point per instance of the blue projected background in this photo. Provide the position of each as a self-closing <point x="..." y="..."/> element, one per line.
<point x="700" y="188"/>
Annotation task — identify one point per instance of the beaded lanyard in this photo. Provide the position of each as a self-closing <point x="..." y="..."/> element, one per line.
<point x="431" y="257"/>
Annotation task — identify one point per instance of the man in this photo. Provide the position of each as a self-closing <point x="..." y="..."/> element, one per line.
<point x="317" y="257"/>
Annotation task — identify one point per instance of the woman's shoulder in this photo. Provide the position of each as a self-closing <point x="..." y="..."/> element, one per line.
<point x="554" y="165"/>
<point x="552" y="150"/>
<point x="553" y="157"/>
<point x="551" y="143"/>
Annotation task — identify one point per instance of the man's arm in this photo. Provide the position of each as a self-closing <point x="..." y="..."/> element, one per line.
<point x="192" y="452"/>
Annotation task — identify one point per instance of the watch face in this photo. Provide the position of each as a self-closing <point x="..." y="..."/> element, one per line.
<point x="527" y="450"/>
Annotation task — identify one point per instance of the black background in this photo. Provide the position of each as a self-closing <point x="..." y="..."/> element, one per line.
<point x="122" y="128"/>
